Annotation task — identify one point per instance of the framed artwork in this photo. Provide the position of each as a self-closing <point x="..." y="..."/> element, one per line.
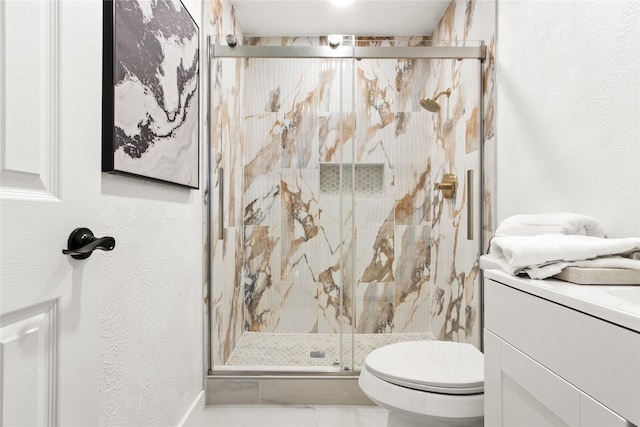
<point x="150" y="100"/>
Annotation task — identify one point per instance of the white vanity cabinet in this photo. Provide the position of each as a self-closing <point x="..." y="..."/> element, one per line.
<point x="554" y="358"/>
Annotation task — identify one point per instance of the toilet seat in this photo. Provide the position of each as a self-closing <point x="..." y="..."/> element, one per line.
<point x="431" y="366"/>
<point x="464" y="407"/>
<point x="431" y="383"/>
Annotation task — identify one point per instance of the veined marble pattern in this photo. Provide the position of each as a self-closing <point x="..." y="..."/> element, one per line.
<point x="456" y="133"/>
<point x="261" y="195"/>
<point x="413" y="169"/>
<point x="374" y="314"/>
<point x="376" y="254"/>
<point x="335" y="86"/>
<point x="299" y="224"/>
<point x="156" y="92"/>
<point x="261" y="275"/>
<point x="413" y="273"/>
<point x="375" y="92"/>
<point x="226" y="133"/>
<point x="411" y="81"/>
<point x="292" y="416"/>
<point x="335" y="261"/>
<point x="227" y="296"/>
<point x="300" y="121"/>
<point x="335" y="137"/>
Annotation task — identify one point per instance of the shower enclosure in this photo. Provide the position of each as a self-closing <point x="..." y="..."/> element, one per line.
<point x="331" y="229"/>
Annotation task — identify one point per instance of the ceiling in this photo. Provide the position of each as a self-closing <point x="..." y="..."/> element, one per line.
<point x="324" y="17"/>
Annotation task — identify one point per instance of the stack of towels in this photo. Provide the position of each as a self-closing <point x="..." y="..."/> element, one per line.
<point x="541" y="246"/>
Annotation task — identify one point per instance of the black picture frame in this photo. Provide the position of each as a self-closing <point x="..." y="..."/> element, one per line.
<point x="151" y="91"/>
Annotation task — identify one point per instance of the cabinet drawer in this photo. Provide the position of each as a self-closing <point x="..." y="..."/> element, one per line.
<point x="599" y="358"/>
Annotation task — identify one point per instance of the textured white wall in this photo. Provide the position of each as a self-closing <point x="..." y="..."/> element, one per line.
<point x="151" y="336"/>
<point x="195" y="9"/>
<point x="568" y="110"/>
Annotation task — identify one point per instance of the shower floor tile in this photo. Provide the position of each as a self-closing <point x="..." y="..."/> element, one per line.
<point x="278" y="349"/>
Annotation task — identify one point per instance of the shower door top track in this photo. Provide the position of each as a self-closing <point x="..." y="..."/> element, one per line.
<point x="358" y="52"/>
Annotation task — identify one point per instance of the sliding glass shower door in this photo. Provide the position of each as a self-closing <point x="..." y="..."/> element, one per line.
<point x="282" y="128"/>
<point x="328" y="234"/>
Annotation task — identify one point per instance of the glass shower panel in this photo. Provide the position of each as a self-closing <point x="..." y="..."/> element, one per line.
<point x="416" y="270"/>
<point x="331" y="238"/>
<point x="339" y="160"/>
<point x="285" y="250"/>
<point x="392" y="202"/>
<point x="225" y="214"/>
<point x="456" y="132"/>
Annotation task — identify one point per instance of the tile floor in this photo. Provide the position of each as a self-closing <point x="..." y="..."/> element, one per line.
<point x="292" y="416"/>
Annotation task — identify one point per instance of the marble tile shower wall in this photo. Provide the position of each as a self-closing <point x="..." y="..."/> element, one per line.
<point x="226" y="135"/>
<point x="283" y="262"/>
<point x="455" y="283"/>
<point x="299" y="114"/>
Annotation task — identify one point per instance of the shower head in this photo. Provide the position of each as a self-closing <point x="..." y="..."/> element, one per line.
<point x="431" y="104"/>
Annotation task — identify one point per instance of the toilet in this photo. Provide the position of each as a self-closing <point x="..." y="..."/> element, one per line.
<point x="426" y="383"/>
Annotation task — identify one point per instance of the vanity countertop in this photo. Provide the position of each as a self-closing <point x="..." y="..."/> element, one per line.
<point x="616" y="304"/>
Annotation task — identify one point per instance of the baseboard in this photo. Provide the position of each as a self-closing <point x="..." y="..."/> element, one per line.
<point x="193" y="413"/>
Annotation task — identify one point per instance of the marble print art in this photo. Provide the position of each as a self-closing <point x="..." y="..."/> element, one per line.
<point x="152" y="62"/>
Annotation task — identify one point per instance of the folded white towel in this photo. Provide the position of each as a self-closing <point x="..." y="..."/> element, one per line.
<point x="551" y="269"/>
<point x="529" y="254"/>
<point x="555" y="223"/>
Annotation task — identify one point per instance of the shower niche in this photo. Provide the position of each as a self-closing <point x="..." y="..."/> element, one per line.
<point x="366" y="180"/>
<point x="326" y="235"/>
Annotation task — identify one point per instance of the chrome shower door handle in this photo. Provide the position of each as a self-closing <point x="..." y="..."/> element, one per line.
<point x="82" y="243"/>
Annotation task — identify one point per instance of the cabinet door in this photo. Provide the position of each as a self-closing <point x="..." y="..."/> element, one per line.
<point x="597" y="357"/>
<point x="521" y="392"/>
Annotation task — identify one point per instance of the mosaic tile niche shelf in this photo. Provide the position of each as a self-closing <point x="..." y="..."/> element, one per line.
<point x="369" y="180"/>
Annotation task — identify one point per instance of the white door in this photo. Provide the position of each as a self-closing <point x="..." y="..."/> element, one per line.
<point x="50" y="109"/>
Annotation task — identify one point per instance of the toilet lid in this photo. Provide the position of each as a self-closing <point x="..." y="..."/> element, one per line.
<point x="435" y="366"/>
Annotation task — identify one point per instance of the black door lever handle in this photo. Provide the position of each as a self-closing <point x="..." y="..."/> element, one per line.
<point x="82" y="243"/>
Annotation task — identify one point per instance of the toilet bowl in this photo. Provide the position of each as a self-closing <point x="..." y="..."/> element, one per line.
<point x="426" y="383"/>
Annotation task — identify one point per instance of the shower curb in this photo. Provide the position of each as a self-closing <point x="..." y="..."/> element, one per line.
<point x="284" y="390"/>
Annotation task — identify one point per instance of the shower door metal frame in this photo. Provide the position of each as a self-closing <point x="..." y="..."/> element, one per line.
<point x="315" y="52"/>
<point x="345" y="52"/>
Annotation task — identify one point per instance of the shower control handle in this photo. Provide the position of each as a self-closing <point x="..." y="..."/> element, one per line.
<point x="448" y="186"/>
